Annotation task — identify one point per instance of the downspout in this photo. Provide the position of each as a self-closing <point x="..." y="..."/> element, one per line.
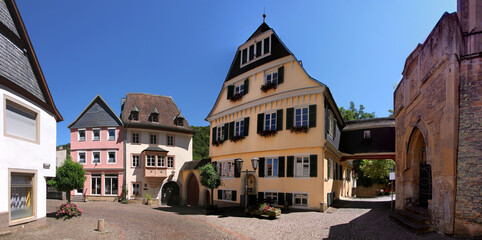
<point x="125" y="161"/>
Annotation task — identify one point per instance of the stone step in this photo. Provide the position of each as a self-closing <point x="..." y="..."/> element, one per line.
<point x="5" y="232"/>
<point x="412" y="226"/>
<point x="413" y="217"/>
<point x="77" y="198"/>
<point x="417" y="210"/>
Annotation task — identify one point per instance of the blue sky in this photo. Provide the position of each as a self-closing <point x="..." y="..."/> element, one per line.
<point x="184" y="48"/>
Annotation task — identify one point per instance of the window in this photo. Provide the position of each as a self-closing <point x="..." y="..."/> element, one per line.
<point x="301" y="117"/>
<point x="135" y="137"/>
<point x="153" y="139"/>
<point x="111" y="132"/>
<point x="170" y="162"/>
<point x="135" y="160"/>
<point x="21" y="195"/>
<point x="271" y="197"/>
<point x="272" y="78"/>
<point x="154" y="117"/>
<point x="170" y="140"/>
<point x="303" y="166"/>
<point x="20" y="122"/>
<point x="239" y="128"/>
<point x="150" y="160"/>
<point x="255" y="51"/>
<point x="270" y="121"/>
<point x="111" y="157"/>
<point x="82" y="157"/>
<point x="228" y="195"/>
<point x="271" y="167"/>
<point x="366" y="134"/>
<point x="95" y="184"/>
<point x="96" y="134"/>
<point x="134" y="115"/>
<point x="226" y="169"/>
<point x="95" y="157"/>
<point x="348" y="176"/>
<point x="331" y="129"/>
<point x="301" y="199"/>
<point x="136" y="189"/>
<point x="161" y="161"/>
<point x="111" y="186"/>
<point x="239" y="89"/>
<point x="219" y="133"/>
<point x="81" y="135"/>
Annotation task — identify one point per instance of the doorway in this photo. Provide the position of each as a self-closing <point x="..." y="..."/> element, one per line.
<point x="420" y="169"/>
<point x="170" y="193"/>
<point x="193" y="191"/>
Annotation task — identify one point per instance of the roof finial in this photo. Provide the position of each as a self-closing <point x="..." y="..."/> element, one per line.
<point x="264" y="14"/>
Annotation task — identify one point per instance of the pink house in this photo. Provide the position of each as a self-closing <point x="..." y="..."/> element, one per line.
<point x="96" y="142"/>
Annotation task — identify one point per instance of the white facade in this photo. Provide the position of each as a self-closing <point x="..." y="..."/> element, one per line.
<point x="37" y="158"/>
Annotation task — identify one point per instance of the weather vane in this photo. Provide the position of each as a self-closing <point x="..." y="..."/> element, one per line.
<point x="264" y="14"/>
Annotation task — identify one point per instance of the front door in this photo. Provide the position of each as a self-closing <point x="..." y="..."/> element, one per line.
<point x="425" y="184"/>
<point x="193" y="191"/>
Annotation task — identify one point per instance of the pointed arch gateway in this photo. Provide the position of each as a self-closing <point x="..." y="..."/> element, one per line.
<point x="193" y="191"/>
<point x="417" y="169"/>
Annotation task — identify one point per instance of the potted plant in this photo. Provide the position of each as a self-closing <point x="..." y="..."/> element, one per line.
<point x="267" y="133"/>
<point x="268" y="86"/>
<point x="236" y="138"/>
<point x="148" y="199"/>
<point x="300" y="129"/>
<point x="236" y="97"/>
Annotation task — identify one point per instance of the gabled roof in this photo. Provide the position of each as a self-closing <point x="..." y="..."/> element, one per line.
<point x="195" y="164"/>
<point x="154" y="149"/>
<point x="97" y="114"/>
<point x="20" y="69"/>
<point x="369" y="123"/>
<point x="146" y="103"/>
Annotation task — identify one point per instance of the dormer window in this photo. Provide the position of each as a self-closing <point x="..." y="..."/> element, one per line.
<point x="135" y="114"/>
<point x="154" y="117"/>
<point x="179" y="120"/>
<point x="255" y="51"/>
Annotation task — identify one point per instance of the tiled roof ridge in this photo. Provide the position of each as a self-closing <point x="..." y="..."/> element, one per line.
<point x="149" y="94"/>
<point x="369" y="120"/>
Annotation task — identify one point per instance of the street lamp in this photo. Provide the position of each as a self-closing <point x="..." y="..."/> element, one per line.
<point x="239" y="165"/>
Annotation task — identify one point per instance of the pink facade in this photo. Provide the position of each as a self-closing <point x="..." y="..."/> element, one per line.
<point x="100" y="152"/>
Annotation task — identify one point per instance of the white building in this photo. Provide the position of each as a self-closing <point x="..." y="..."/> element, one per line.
<point x="28" y="119"/>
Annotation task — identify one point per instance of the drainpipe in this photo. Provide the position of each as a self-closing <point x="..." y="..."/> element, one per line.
<point x="125" y="161"/>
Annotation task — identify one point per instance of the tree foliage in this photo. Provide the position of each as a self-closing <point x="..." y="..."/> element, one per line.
<point x="200" y="143"/>
<point x="209" y="178"/>
<point x="352" y="113"/>
<point x="376" y="170"/>
<point x="69" y="176"/>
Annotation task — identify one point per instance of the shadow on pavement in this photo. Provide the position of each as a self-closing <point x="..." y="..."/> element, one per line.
<point x="222" y="213"/>
<point x="361" y="204"/>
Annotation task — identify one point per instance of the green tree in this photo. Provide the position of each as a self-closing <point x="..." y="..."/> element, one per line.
<point x="377" y="170"/>
<point x="353" y="114"/>
<point x="69" y="176"/>
<point x="200" y="143"/>
<point x="209" y="178"/>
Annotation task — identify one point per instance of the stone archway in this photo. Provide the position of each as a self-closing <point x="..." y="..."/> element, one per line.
<point x="170" y="193"/>
<point x="193" y="191"/>
<point x="418" y="174"/>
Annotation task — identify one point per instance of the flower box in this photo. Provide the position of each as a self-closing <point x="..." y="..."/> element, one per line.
<point x="236" y="138"/>
<point x="301" y="129"/>
<point x="217" y="143"/>
<point x="264" y="210"/>
<point x="267" y="133"/>
<point x="236" y="97"/>
<point x="268" y="86"/>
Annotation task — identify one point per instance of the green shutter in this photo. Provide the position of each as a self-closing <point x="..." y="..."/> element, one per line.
<point x="237" y="172"/>
<point x="328" y="170"/>
<point x="289" y="166"/>
<point x="220" y="194"/>
<point x="327" y="122"/>
<point x="289" y="118"/>
<point x="279" y="120"/>
<point x="260" y="122"/>
<point x="246" y="86"/>
<point x="260" y="197"/>
<point x="312" y="116"/>
<point x="261" y="167"/>
<point x="225" y="130"/>
<point x="289" y="199"/>
<point x="231" y="129"/>
<point x="246" y="126"/>
<point x="281" y="73"/>
<point x="313" y="165"/>
<point x="281" y="166"/>
<point x="230" y="91"/>
<point x="334" y="128"/>
<point x="281" y="198"/>
<point x="213" y="140"/>
<point x="233" y="195"/>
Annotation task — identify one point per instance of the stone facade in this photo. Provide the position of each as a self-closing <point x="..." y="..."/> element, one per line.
<point x="437" y="113"/>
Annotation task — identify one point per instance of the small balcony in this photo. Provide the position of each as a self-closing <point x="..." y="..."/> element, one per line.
<point x="155" y="172"/>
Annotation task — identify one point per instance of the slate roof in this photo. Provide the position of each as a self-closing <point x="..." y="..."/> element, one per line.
<point x="96" y="114"/>
<point x="20" y="70"/>
<point x="154" y="149"/>
<point x="146" y="104"/>
<point x="196" y="164"/>
<point x="369" y="123"/>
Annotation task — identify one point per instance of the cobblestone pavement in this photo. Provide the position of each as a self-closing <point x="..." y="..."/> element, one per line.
<point x="347" y="219"/>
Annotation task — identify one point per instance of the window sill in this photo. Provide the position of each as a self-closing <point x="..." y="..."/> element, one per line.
<point x="301" y="177"/>
<point x="271" y="177"/>
<point x="22" y="220"/>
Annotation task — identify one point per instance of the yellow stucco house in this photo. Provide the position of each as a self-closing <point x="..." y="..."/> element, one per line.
<point x="270" y="108"/>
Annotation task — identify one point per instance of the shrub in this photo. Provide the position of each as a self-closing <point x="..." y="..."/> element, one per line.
<point x="69" y="210"/>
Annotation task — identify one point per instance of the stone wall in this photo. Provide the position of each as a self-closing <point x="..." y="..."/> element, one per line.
<point x="468" y="209"/>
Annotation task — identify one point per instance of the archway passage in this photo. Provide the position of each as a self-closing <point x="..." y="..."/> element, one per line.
<point x="170" y="193"/>
<point x="193" y="191"/>
<point x="419" y="168"/>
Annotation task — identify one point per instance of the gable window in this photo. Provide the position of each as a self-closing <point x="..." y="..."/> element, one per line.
<point x="96" y="134"/>
<point x="271" y="167"/>
<point x="135" y="137"/>
<point x="270" y="121"/>
<point x="20" y="122"/>
<point x="271" y="78"/>
<point x="95" y="184"/>
<point x="95" y="157"/>
<point x="239" y="128"/>
<point x="255" y="51"/>
<point x="170" y="140"/>
<point x="150" y="160"/>
<point x="112" y="158"/>
<point x="302" y="166"/>
<point x="271" y="197"/>
<point x="82" y="157"/>
<point x="161" y="162"/>
<point x="239" y="89"/>
<point x="170" y="162"/>
<point x="81" y="135"/>
<point x="154" y="117"/>
<point x="111" y="132"/>
<point x="301" y="199"/>
<point x="301" y="117"/>
<point x="134" y="114"/>
<point x="135" y="160"/>
<point x="111" y="186"/>
<point x="153" y="139"/>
